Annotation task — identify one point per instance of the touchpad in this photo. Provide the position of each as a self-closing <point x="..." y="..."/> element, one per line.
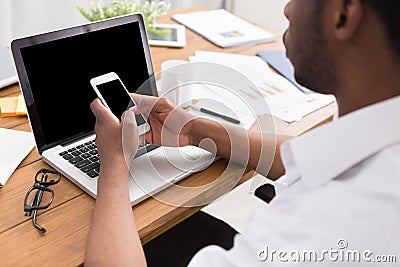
<point x="167" y="163"/>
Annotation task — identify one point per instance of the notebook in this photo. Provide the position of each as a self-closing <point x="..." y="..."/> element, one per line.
<point x="12" y="106"/>
<point x="223" y="28"/>
<point x="55" y="69"/>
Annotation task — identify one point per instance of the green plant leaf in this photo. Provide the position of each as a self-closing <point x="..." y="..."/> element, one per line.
<point x="151" y="10"/>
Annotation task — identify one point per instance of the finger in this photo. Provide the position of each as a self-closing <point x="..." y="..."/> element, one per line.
<point x="123" y="116"/>
<point x="144" y="105"/>
<point x="138" y="98"/>
<point x="97" y="108"/>
<point x="133" y="109"/>
<point x="130" y="138"/>
<point x="101" y="112"/>
<point x="140" y="110"/>
<point x="144" y="100"/>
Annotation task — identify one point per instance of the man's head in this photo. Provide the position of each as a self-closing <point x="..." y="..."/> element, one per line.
<point x="330" y="40"/>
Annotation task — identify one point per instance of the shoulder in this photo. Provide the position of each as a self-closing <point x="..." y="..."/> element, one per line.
<point x="360" y="205"/>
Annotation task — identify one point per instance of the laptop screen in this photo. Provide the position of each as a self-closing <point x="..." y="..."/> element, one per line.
<point x="58" y="74"/>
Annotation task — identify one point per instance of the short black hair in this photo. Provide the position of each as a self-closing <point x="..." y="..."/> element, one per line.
<point x="388" y="12"/>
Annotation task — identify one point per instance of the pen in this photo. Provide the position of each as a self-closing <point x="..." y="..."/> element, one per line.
<point x="210" y="112"/>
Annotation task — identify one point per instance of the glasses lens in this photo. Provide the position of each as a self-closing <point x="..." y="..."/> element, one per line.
<point x="39" y="199"/>
<point x="49" y="178"/>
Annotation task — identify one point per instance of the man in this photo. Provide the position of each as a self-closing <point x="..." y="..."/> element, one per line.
<point x="341" y="204"/>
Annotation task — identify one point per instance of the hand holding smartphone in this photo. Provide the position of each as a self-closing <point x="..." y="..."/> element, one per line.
<point x="114" y="95"/>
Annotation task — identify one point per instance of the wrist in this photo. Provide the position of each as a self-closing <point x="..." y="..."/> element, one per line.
<point x="198" y="131"/>
<point x="193" y="131"/>
<point x="115" y="164"/>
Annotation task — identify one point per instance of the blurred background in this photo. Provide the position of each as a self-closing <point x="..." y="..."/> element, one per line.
<point x="24" y="17"/>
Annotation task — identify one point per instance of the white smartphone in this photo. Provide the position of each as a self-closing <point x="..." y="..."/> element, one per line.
<point x="114" y="95"/>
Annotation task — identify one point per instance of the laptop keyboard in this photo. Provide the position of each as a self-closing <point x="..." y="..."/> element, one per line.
<point x="85" y="157"/>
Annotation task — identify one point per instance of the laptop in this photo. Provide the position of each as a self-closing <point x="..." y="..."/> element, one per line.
<point x="54" y="71"/>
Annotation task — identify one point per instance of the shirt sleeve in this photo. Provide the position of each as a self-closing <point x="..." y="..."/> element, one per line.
<point x="215" y="256"/>
<point x="244" y="253"/>
<point x="210" y="256"/>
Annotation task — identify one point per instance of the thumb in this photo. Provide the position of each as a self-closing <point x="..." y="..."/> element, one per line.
<point x="130" y="138"/>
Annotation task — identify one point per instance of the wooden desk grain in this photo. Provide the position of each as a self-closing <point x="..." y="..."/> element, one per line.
<point x="68" y="218"/>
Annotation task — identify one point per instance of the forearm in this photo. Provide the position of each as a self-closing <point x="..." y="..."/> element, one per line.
<point x="249" y="148"/>
<point x="113" y="238"/>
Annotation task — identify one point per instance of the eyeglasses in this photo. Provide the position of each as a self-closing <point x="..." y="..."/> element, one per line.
<point x="40" y="191"/>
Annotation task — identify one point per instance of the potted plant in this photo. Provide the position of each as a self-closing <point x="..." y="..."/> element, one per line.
<point x="151" y="10"/>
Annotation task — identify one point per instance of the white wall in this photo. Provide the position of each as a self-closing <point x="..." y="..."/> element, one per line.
<point x="5" y="22"/>
<point x="25" y="17"/>
<point x="178" y="4"/>
<point x="266" y="12"/>
<point x="32" y="16"/>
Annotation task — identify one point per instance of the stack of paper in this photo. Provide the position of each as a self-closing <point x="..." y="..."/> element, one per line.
<point x="12" y="106"/>
<point x="271" y="93"/>
<point x="224" y="28"/>
<point x="15" y="146"/>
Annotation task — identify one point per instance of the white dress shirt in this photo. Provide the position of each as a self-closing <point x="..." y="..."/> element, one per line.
<point x="339" y="202"/>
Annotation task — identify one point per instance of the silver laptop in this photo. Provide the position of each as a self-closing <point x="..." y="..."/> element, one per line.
<point x="54" y="71"/>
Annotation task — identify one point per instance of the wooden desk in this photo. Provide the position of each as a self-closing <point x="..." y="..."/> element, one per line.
<point x="68" y="218"/>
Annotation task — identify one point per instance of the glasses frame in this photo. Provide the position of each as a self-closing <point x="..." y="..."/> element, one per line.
<point x="41" y="185"/>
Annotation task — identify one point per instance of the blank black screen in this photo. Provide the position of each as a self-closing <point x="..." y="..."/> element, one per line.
<point x="59" y="74"/>
<point x="117" y="98"/>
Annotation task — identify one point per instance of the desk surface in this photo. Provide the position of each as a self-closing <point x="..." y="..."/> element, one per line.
<point x="68" y="218"/>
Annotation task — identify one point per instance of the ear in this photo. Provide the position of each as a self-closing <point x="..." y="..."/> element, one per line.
<point x="348" y="17"/>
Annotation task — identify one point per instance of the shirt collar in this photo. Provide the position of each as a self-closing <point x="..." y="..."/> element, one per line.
<point x="324" y="153"/>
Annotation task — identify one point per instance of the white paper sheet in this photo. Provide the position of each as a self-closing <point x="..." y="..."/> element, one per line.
<point x="284" y="100"/>
<point x="14" y="147"/>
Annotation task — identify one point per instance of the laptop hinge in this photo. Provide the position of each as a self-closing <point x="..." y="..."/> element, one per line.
<point x="74" y="139"/>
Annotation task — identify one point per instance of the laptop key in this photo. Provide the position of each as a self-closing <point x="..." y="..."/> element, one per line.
<point x="91" y="146"/>
<point x="82" y="163"/>
<point x="63" y="153"/>
<point x="68" y="156"/>
<point x="86" y="156"/>
<point x="75" y="160"/>
<point x="94" y="159"/>
<point x="80" y="146"/>
<point x="84" y="150"/>
<point x="90" y="167"/>
<point x="72" y="149"/>
<point x="76" y="153"/>
<point x="93" y="152"/>
<point x="92" y="174"/>
<point x="97" y="169"/>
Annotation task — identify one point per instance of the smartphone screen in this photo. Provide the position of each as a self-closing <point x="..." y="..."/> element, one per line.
<point x="117" y="99"/>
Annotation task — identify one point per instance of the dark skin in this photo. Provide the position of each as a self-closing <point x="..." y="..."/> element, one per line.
<point x="332" y="51"/>
<point x="357" y="69"/>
